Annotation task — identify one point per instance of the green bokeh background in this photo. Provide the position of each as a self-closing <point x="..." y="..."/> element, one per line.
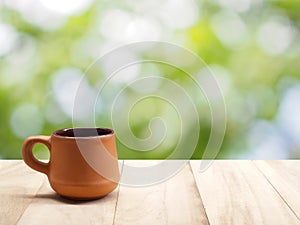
<point x="252" y="46"/>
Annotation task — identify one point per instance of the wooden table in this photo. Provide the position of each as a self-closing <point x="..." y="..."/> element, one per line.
<point x="228" y="192"/>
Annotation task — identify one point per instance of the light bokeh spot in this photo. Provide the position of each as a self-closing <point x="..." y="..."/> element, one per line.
<point x="26" y="120"/>
<point x="275" y="35"/>
<point x="8" y="38"/>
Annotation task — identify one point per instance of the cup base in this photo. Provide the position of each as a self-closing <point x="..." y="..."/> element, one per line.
<point x="84" y="192"/>
<point x="81" y="199"/>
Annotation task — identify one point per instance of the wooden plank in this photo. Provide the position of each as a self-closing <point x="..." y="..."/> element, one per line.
<point x="284" y="177"/>
<point x="235" y="192"/>
<point x="49" y="208"/>
<point x="175" y="201"/>
<point x="18" y="185"/>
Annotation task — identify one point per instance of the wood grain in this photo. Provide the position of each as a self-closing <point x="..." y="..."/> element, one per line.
<point x="284" y="177"/>
<point x="18" y="185"/>
<point x="49" y="208"/>
<point x="235" y="192"/>
<point x="175" y="201"/>
<point x="228" y="192"/>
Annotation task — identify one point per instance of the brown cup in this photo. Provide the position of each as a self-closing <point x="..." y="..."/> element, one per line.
<point x="83" y="161"/>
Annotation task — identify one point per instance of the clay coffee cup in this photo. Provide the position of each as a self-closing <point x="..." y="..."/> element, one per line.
<point x="83" y="161"/>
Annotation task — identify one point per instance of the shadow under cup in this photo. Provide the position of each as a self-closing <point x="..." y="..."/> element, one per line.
<point x="83" y="161"/>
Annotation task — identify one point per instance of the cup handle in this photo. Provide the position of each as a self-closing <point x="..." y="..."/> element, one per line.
<point x="28" y="156"/>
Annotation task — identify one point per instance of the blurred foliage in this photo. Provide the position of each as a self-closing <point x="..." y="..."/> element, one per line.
<point x="254" y="50"/>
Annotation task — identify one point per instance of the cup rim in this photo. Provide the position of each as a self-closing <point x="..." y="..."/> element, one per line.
<point x="107" y="132"/>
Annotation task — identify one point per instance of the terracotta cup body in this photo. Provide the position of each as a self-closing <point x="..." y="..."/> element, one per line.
<point x="83" y="161"/>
